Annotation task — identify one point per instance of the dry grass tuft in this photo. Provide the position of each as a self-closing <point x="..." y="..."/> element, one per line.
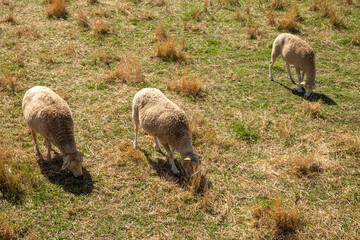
<point x="271" y="18"/>
<point x="161" y="34"/>
<point x="252" y="32"/>
<point x="157" y="3"/>
<point x="248" y="8"/>
<point x="313" y="108"/>
<point x="8" y="81"/>
<point x="5" y="2"/>
<point x="240" y="16"/>
<point x="167" y="50"/>
<point x="350" y="2"/>
<point x="229" y="2"/>
<point x="10" y="19"/>
<point x="92" y="2"/>
<point x="289" y="21"/>
<point x="305" y="164"/>
<point x="356" y="39"/>
<point x="202" y="133"/>
<point x="315" y="6"/>
<point x="83" y="19"/>
<point x="100" y="27"/>
<point x="285" y="128"/>
<point x="57" y="9"/>
<point x="277" y="4"/>
<point x="6" y="231"/>
<point x="285" y="221"/>
<point x="127" y="153"/>
<point x="349" y="144"/>
<point x="324" y="6"/>
<point x="185" y="85"/>
<point x="128" y="70"/>
<point x="335" y="20"/>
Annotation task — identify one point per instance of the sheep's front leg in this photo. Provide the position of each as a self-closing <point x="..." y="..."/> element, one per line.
<point x="171" y="158"/>
<point x="38" y="153"/>
<point x="48" y="145"/>
<point x="289" y="72"/>
<point x="157" y="146"/>
<point x="300" y="89"/>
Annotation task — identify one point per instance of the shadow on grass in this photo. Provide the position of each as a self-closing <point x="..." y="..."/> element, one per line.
<point x="52" y="171"/>
<point x="314" y="97"/>
<point x="163" y="170"/>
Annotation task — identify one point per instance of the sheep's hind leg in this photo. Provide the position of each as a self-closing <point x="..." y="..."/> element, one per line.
<point x="171" y="158"/>
<point x="48" y="145"/>
<point x="300" y="88"/>
<point x="289" y="72"/>
<point x="136" y="124"/>
<point x="157" y="146"/>
<point x="38" y="153"/>
<point x="274" y="55"/>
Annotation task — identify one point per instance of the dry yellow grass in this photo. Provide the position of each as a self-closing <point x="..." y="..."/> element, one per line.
<point x="348" y="144"/>
<point x="271" y="18"/>
<point x="185" y="85"/>
<point x="92" y="1"/>
<point x="240" y="16"/>
<point x="83" y="19"/>
<point x="6" y="230"/>
<point x="128" y="70"/>
<point x="252" y="32"/>
<point x="313" y="108"/>
<point x="285" y="128"/>
<point x="100" y="27"/>
<point x="305" y="164"/>
<point x="335" y="20"/>
<point x="229" y="2"/>
<point x="324" y="6"/>
<point x="356" y="39"/>
<point x="57" y="9"/>
<point x="277" y="4"/>
<point x="10" y="19"/>
<point x="157" y="3"/>
<point x="168" y="50"/>
<point x="161" y="34"/>
<point x="289" y="21"/>
<point x="8" y="81"/>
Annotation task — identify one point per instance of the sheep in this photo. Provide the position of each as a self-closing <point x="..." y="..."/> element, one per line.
<point x="47" y="114"/>
<point x="165" y="122"/>
<point x="297" y="52"/>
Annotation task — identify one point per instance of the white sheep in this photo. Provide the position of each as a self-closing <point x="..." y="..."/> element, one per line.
<point x="167" y="123"/>
<point x="48" y="114"/>
<point x="297" y="52"/>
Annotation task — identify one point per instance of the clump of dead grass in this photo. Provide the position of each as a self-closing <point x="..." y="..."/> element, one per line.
<point x="229" y="2"/>
<point x="334" y="20"/>
<point x="8" y="81"/>
<point x="100" y="27"/>
<point x="56" y="9"/>
<point x="7" y="231"/>
<point x="161" y="34"/>
<point x="277" y="4"/>
<point x="185" y="85"/>
<point x="253" y="32"/>
<point x="239" y="16"/>
<point x="306" y="164"/>
<point x="128" y="70"/>
<point x="281" y="221"/>
<point x="349" y="144"/>
<point x="271" y="18"/>
<point x="202" y="133"/>
<point x="350" y="2"/>
<point x="289" y="21"/>
<point x="92" y="2"/>
<point x="10" y="19"/>
<point x="83" y="19"/>
<point x="285" y="128"/>
<point x="157" y="3"/>
<point x="356" y="39"/>
<point x="324" y="7"/>
<point x="126" y="153"/>
<point x="313" y="108"/>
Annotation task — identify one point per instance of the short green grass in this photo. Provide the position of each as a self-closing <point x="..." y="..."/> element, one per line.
<point x="250" y="131"/>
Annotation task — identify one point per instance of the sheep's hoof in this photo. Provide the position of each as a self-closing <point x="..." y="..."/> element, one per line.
<point x="271" y="78"/>
<point x="175" y="171"/>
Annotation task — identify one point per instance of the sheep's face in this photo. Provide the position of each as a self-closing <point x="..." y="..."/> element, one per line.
<point x="75" y="161"/>
<point x="191" y="164"/>
<point x="309" y="87"/>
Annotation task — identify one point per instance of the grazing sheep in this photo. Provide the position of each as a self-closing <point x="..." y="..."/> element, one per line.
<point x="167" y="123"/>
<point x="297" y="52"/>
<point x="48" y="114"/>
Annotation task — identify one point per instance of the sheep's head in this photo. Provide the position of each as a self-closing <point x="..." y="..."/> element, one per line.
<point x="191" y="164"/>
<point x="73" y="163"/>
<point x="309" y="87"/>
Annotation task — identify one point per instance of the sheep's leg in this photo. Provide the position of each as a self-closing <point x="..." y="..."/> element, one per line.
<point x="300" y="89"/>
<point x="274" y="55"/>
<point x="48" y="145"/>
<point x="289" y="72"/>
<point x="135" y="115"/>
<point x="157" y="146"/>
<point x="38" y="153"/>
<point x="171" y="158"/>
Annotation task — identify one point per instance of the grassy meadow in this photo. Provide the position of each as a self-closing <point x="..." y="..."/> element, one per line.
<point x="275" y="165"/>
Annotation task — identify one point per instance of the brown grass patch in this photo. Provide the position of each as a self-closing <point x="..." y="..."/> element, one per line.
<point x="157" y="3"/>
<point x="356" y="39"/>
<point x="100" y="27"/>
<point x="289" y="21"/>
<point x="83" y="19"/>
<point x="305" y="164"/>
<point x="285" y="128"/>
<point x="252" y="32"/>
<point x="8" y="81"/>
<point x="10" y="19"/>
<point x="168" y="50"/>
<point x="202" y="133"/>
<point x="127" y="153"/>
<point x="128" y="70"/>
<point x="6" y="230"/>
<point x="313" y="108"/>
<point x="240" y="16"/>
<point x="5" y="2"/>
<point x="349" y="144"/>
<point x="271" y="18"/>
<point x="229" y="2"/>
<point x="185" y="85"/>
<point x="315" y="6"/>
<point x="161" y="34"/>
<point x="350" y="2"/>
<point x="92" y="2"/>
<point x="57" y="9"/>
<point x="277" y="4"/>
<point x="335" y="20"/>
<point x="324" y="6"/>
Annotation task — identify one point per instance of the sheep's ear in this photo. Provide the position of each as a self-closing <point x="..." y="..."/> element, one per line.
<point x="187" y="159"/>
<point x="66" y="162"/>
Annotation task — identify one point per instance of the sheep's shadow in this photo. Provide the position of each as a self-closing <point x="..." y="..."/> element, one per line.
<point x="314" y="97"/>
<point x="163" y="170"/>
<point x="52" y="171"/>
